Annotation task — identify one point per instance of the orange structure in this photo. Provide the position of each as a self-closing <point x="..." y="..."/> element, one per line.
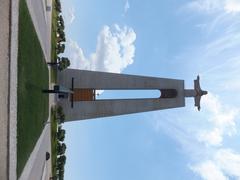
<point x="84" y="95"/>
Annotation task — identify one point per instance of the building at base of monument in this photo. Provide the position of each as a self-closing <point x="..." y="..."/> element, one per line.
<point x="82" y="103"/>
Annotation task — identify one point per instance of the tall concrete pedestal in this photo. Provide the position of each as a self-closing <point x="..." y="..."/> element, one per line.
<point x="172" y="94"/>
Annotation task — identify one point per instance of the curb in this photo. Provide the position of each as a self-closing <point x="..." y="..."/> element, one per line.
<point x="12" y="127"/>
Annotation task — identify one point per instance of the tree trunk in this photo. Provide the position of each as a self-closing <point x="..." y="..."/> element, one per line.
<point x="53" y="63"/>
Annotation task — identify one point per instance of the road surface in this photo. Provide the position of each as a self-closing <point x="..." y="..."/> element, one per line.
<point x="4" y="87"/>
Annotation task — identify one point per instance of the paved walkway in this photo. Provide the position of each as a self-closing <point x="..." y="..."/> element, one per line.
<point x="37" y="164"/>
<point x="4" y="79"/>
<point x="42" y="23"/>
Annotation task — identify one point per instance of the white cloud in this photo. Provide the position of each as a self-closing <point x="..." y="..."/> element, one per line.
<point x="114" y="51"/>
<point x="212" y="6"/>
<point x="224" y="164"/>
<point x="126" y="7"/>
<point x="222" y="117"/>
<point x="208" y="137"/>
<point x="219" y="120"/>
<point x="213" y="137"/>
<point x="232" y="6"/>
<point x="209" y="171"/>
<point x="220" y="163"/>
<point x="229" y="162"/>
<point x="220" y="114"/>
<point x="224" y="56"/>
<point x="232" y="85"/>
<point x="69" y="15"/>
<point x="205" y="5"/>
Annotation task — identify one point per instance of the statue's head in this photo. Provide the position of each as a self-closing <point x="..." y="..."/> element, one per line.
<point x="204" y="92"/>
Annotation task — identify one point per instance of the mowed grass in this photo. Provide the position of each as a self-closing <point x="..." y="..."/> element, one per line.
<point x="32" y="78"/>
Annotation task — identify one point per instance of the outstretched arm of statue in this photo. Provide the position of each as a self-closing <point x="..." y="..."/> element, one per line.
<point x="197" y="102"/>
<point x="197" y="84"/>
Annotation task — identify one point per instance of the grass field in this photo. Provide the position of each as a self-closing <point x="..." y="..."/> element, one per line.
<point x="32" y="78"/>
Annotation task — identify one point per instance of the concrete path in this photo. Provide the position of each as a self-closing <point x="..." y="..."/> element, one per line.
<point x="12" y="145"/>
<point x="4" y="88"/>
<point x="36" y="165"/>
<point x="42" y="23"/>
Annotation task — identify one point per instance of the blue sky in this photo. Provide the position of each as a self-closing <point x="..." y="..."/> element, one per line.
<point x="169" y="38"/>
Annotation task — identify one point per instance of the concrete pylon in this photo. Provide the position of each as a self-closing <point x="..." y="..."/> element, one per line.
<point x="172" y="94"/>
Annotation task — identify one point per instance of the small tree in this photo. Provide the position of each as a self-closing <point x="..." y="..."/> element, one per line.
<point x="61" y="175"/>
<point x="60" y="168"/>
<point x="59" y="110"/>
<point x="61" y="148"/>
<point x="58" y="6"/>
<point x="61" y="24"/>
<point x="60" y="30"/>
<point x="61" y="134"/>
<point x="61" y="160"/>
<point x="60" y="171"/>
<point x="60" y="48"/>
<point x="61" y="118"/>
<point x="60" y="21"/>
<point x="61" y="33"/>
<point x="59" y="18"/>
<point x="60" y="115"/>
<point x="61" y="37"/>
<point x="64" y="63"/>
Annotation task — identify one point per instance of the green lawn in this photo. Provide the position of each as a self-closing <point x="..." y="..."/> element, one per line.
<point x="32" y="78"/>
